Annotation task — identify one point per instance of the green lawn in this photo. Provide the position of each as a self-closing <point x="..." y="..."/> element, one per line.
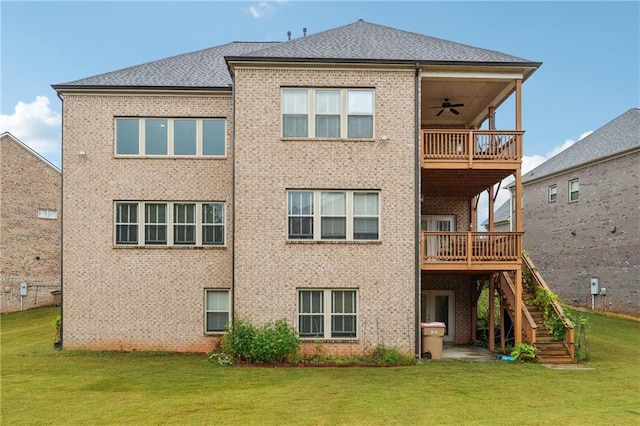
<point x="44" y="386"/>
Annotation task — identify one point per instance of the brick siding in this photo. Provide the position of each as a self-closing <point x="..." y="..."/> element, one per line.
<point x="131" y="297"/>
<point x="268" y="269"/>
<point x="29" y="246"/>
<point x="606" y="243"/>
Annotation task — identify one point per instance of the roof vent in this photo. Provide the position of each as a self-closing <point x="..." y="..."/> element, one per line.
<point x="304" y="32"/>
<point x="289" y="35"/>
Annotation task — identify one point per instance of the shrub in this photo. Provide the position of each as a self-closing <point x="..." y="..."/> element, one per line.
<point x="384" y="355"/>
<point x="524" y="352"/>
<point x="267" y="344"/>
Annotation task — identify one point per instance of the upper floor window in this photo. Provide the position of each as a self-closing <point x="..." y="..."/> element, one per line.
<point x="553" y="193"/>
<point x="165" y="224"/>
<point x="333" y="215"/>
<point x="574" y="190"/>
<point x="170" y="137"/>
<point x="327" y="113"/>
<point x="47" y="213"/>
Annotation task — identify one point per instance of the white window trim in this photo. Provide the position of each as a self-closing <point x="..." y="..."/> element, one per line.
<point x="141" y="222"/>
<point x="50" y="214"/>
<point x="344" y="112"/>
<point x="549" y="193"/>
<point x="317" y="215"/>
<point x="206" y="311"/>
<point x="577" y="191"/>
<point x="170" y="138"/>
<point x="327" y="316"/>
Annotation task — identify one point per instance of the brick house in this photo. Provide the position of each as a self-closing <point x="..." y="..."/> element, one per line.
<point x="29" y="226"/>
<point x="329" y="180"/>
<point x="586" y="200"/>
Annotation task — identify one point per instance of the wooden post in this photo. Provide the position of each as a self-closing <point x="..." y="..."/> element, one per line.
<point x="492" y="218"/>
<point x="503" y="312"/>
<point x="517" y="326"/>
<point x="492" y="317"/>
<point x="519" y="104"/>
<point x="517" y="200"/>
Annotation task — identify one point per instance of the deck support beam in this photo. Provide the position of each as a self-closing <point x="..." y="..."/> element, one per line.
<point x="492" y="316"/>
<point x="517" y="326"/>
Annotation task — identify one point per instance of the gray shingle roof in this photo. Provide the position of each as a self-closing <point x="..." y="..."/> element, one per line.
<point x="200" y="69"/>
<point x="371" y="42"/>
<point x="619" y="135"/>
<point x="359" y="41"/>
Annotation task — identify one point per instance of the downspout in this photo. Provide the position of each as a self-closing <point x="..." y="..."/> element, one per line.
<point x="417" y="207"/>
<point x="233" y="197"/>
<point x="61" y="224"/>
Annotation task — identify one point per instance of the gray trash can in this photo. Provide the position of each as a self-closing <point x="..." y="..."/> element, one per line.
<point x="432" y="337"/>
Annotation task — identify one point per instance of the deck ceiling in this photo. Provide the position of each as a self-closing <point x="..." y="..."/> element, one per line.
<point x="477" y="95"/>
<point x="459" y="183"/>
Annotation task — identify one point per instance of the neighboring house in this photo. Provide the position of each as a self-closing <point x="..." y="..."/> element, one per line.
<point x="30" y="217"/>
<point x="502" y="218"/>
<point x="329" y="180"/>
<point x="582" y="217"/>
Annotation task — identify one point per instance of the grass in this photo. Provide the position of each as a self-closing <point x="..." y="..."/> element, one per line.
<point x="44" y="386"/>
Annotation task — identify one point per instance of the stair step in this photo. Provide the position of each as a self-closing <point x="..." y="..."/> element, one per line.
<point x="555" y="359"/>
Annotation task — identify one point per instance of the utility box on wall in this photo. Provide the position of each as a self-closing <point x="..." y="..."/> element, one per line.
<point x="23" y="289"/>
<point x="595" y="286"/>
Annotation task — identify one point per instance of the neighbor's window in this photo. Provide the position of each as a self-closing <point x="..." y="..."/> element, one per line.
<point x="327" y="314"/>
<point x="574" y="190"/>
<point x="341" y="215"/>
<point x="169" y="223"/>
<point x="216" y="310"/>
<point x="170" y="137"/>
<point x="327" y="113"/>
<point x="47" y="213"/>
<point x="553" y="193"/>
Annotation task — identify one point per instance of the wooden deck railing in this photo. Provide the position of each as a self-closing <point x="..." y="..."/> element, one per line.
<point x="471" y="246"/>
<point x="471" y="145"/>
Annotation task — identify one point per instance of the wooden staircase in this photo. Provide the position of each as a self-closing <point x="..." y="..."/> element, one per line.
<point x="551" y="350"/>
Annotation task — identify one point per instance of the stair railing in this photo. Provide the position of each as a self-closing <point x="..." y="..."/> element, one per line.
<point x="507" y="288"/>
<point x="569" y="337"/>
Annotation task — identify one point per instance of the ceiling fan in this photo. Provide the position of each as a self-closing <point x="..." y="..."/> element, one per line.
<point x="446" y="104"/>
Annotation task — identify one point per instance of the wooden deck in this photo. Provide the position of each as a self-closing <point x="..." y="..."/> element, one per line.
<point x="470" y="148"/>
<point x="470" y="251"/>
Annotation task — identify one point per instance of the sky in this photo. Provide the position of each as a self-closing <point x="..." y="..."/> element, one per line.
<point x="590" y="52"/>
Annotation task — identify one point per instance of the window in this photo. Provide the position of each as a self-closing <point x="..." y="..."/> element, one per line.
<point x="315" y="322"/>
<point x="47" y="213"/>
<point x="342" y="215"/>
<point x="212" y="223"/>
<point x="126" y="223"/>
<point x="216" y="310"/>
<point x="553" y="193"/>
<point x="170" y="137"/>
<point x="169" y="223"/>
<point x="574" y="190"/>
<point x="327" y="113"/>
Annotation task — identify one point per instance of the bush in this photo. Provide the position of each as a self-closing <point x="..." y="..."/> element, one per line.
<point x="267" y="344"/>
<point x="524" y="352"/>
<point x="383" y="355"/>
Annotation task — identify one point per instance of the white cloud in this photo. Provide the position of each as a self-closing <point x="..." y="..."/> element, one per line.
<point x="260" y="10"/>
<point x="37" y="126"/>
